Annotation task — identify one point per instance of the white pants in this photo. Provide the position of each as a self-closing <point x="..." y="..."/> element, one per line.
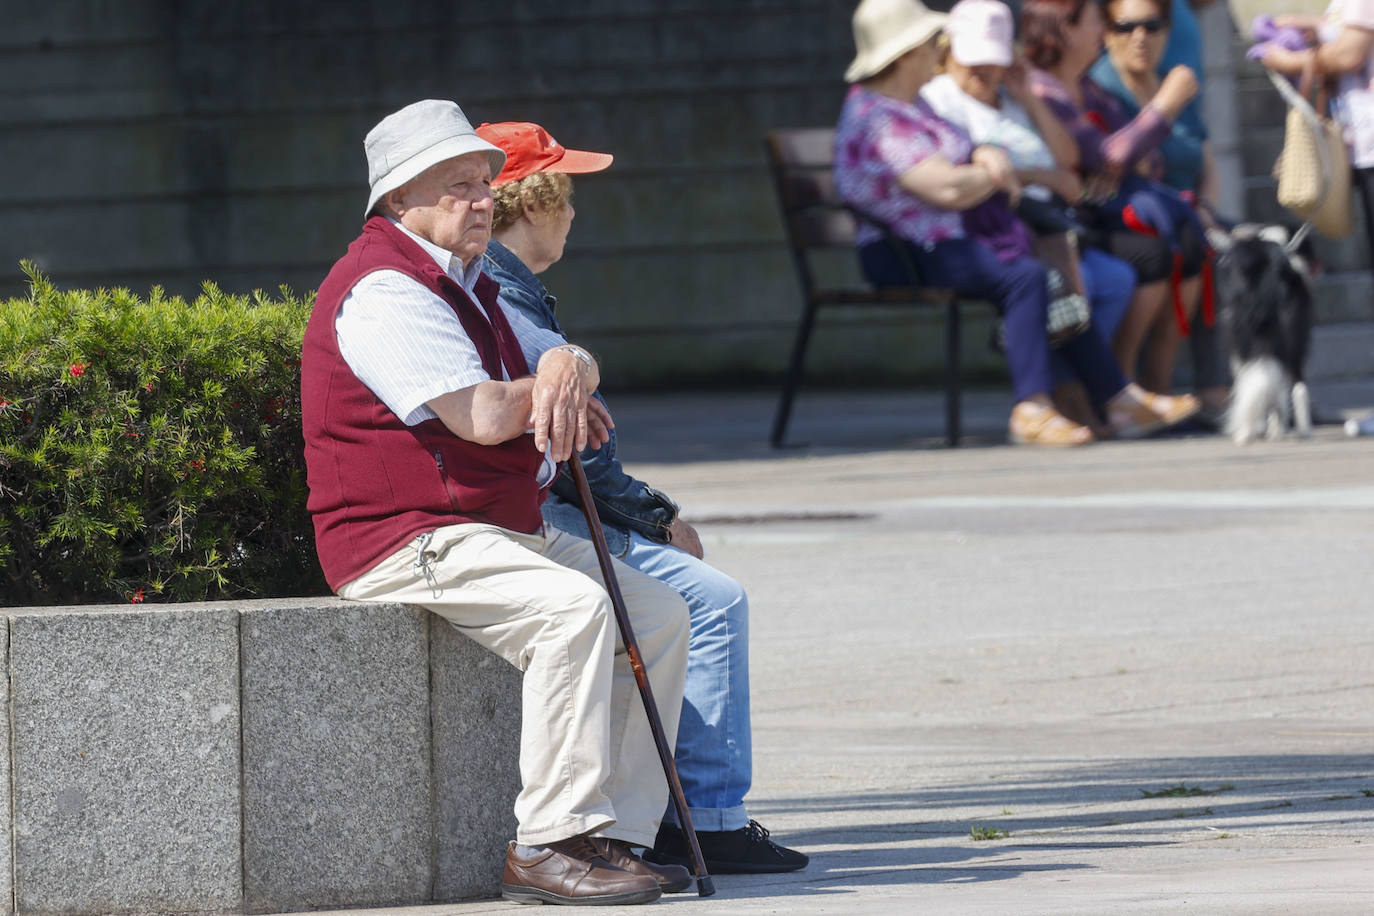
<point x="587" y="757"/>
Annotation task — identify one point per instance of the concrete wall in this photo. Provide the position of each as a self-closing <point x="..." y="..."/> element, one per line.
<point x="156" y="142"/>
<point x="159" y="142"/>
<point x="252" y="756"/>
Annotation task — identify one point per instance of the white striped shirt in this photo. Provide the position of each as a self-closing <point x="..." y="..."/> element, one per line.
<point x="406" y="343"/>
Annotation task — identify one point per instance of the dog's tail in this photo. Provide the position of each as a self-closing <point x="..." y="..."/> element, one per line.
<point x="1259" y="386"/>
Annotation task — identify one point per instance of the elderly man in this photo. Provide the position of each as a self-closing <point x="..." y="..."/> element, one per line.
<point x="429" y="446"/>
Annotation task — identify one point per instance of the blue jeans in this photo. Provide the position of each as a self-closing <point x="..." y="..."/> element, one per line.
<point x="714" y="745"/>
<point x="1111" y="284"/>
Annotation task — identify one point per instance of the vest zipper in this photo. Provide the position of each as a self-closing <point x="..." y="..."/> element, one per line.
<point x="443" y="481"/>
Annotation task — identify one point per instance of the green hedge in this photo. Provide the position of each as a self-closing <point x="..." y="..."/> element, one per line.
<point x="150" y="449"/>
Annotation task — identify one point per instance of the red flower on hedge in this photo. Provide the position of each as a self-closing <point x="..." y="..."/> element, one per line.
<point x="148" y="387"/>
<point x="138" y="596"/>
<point x="78" y="369"/>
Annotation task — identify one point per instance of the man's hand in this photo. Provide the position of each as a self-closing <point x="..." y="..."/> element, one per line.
<point x="684" y="537"/>
<point x="558" y="404"/>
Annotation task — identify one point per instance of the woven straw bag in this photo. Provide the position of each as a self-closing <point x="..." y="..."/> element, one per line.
<point x="1302" y="174"/>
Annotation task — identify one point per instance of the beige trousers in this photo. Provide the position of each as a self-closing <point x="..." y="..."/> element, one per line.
<point x="587" y="758"/>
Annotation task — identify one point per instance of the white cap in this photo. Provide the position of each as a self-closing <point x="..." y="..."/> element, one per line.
<point x="980" y="33"/>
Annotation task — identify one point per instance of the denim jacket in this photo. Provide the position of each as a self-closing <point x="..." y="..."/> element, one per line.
<point x="623" y="503"/>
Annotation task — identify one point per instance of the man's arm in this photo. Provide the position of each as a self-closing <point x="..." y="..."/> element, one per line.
<point x="407" y="345"/>
<point x="553" y="402"/>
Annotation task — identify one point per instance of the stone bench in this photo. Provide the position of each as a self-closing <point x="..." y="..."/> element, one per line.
<point x="257" y="756"/>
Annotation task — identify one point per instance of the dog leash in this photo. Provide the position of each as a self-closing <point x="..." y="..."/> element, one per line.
<point x="1292" y="245"/>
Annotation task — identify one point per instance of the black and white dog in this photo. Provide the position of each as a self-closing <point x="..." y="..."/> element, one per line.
<point x="1265" y="297"/>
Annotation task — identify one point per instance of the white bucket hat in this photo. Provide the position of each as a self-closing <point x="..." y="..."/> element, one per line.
<point x="884" y="30"/>
<point x="980" y="33"/>
<point x="406" y="142"/>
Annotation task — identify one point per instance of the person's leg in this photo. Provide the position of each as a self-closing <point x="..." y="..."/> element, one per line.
<point x="1161" y="349"/>
<point x="1151" y="260"/>
<point x="1017" y="288"/>
<point x="714" y="742"/>
<point x="1149" y="301"/>
<point x="636" y="783"/>
<point x="1110" y="285"/>
<point x="555" y="623"/>
<point x="1093" y="363"/>
<point x="1364" y="183"/>
<point x="714" y="746"/>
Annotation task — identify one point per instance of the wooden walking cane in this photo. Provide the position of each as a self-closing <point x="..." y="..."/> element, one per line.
<point x="705" y="886"/>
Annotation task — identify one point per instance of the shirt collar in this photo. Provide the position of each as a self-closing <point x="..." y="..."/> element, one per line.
<point x="448" y="261"/>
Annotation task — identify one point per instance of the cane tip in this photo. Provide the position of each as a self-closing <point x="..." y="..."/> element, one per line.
<point x="705" y="886"/>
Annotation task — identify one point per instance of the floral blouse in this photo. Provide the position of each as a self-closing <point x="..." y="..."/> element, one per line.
<point x="877" y="140"/>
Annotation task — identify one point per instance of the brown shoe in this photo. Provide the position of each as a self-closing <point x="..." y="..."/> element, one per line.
<point x="672" y="878"/>
<point x="572" y="872"/>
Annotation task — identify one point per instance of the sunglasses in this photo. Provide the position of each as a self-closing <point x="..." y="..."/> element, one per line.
<point x="1128" y="26"/>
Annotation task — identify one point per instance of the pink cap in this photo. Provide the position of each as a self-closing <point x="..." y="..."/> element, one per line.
<point x="980" y="33"/>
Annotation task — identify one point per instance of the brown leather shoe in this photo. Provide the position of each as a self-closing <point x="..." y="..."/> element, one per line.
<point x="672" y="878"/>
<point x="573" y="872"/>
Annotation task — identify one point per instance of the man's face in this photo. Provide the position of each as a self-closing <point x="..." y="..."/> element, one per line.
<point x="449" y="204"/>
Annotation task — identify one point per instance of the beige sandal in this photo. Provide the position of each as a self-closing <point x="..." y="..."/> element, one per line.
<point x="1035" y="424"/>
<point x="1150" y="413"/>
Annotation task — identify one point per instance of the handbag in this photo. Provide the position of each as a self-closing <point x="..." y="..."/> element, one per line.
<point x="1069" y="314"/>
<point x="1303" y="175"/>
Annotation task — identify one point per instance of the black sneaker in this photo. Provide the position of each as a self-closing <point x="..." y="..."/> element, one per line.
<point x="746" y="851"/>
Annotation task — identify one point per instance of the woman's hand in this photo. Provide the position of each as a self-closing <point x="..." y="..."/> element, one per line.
<point x="1100" y="187"/>
<point x="997" y="164"/>
<point x="1291" y="63"/>
<point x="1064" y="183"/>
<point x="1017" y="78"/>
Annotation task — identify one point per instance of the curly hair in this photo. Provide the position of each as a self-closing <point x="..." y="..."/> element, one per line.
<point x="545" y="191"/>
<point x="1043" y="23"/>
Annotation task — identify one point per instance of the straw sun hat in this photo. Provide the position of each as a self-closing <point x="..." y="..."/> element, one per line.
<point x="884" y="30"/>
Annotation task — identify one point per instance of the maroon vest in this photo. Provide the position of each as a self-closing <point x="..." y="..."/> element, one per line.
<point x="376" y="483"/>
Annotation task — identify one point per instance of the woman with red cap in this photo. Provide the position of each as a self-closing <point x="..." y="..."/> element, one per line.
<point x="643" y="528"/>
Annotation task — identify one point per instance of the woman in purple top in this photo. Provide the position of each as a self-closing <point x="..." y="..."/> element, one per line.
<point x="1063" y="38"/>
<point x="898" y="162"/>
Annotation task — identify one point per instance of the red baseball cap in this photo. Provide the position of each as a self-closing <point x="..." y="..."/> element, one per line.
<point x="529" y="148"/>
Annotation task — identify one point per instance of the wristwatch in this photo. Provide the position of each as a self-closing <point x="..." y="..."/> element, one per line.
<point x="579" y="353"/>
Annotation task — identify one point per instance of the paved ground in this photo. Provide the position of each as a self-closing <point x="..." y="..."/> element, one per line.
<point x="1147" y="669"/>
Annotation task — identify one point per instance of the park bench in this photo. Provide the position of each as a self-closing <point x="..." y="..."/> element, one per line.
<point x="816" y="222"/>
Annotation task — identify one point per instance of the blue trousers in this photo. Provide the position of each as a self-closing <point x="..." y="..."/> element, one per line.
<point x="714" y="753"/>
<point x="1018" y="290"/>
<point x="1110" y="284"/>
